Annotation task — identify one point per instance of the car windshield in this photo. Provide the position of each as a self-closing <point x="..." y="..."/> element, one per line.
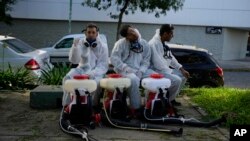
<point x="65" y="43"/>
<point x="19" y="46"/>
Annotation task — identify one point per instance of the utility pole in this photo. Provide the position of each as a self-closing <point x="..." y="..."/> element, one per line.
<point x="70" y="14"/>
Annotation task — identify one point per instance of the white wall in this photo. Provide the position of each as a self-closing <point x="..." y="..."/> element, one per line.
<point x="226" y="13"/>
<point x="232" y="15"/>
<point x="197" y="36"/>
<point x="234" y="44"/>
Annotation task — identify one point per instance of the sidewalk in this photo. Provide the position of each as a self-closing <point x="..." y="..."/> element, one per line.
<point x="234" y="65"/>
<point x="19" y="122"/>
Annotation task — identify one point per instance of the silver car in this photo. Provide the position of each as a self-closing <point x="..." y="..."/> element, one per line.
<point x="19" y="54"/>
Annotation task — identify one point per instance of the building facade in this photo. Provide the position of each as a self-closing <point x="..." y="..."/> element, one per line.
<point x="221" y="26"/>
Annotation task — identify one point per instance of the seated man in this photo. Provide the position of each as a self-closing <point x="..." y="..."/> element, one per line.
<point x="162" y="59"/>
<point x="92" y="56"/>
<point x="130" y="57"/>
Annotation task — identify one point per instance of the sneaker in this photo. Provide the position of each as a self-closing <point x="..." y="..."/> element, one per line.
<point x="175" y="103"/>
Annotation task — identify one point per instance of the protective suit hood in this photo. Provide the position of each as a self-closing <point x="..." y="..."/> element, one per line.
<point x="157" y="35"/>
<point x="139" y="34"/>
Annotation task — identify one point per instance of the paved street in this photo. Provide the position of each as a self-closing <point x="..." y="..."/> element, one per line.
<point x="237" y="79"/>
<point x="236" y="73"/>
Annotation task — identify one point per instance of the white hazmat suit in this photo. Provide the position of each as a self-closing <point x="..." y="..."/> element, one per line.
<point x="91" y="61"/>
<point x="132" y="65"/>
<point x="161" y="63"/>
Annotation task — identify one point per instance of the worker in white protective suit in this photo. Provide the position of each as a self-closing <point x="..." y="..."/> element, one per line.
<point x="131" y="58"/>
<point x="163" y="61"/>
<point x="91" y="55"/>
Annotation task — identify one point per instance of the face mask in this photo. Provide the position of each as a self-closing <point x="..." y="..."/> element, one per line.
<point x="90" y="43"/>
<point x="167" y="51"/>
<point x="136" y="46"/>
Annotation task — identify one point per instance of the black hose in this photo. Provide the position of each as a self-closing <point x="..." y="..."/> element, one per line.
<point x="182" y="121"/>
<point x="136" y="126"/>
<point x="68" y="128"/>
<point x="205" y="124"/>
<point x="146" y="126"/>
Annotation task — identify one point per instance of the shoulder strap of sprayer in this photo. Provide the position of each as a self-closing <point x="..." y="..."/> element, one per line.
<point x="161" y="96"/>
<point x="122" y="97"/>
<point x="167" y="51"/>
<point x="78" y="100"/>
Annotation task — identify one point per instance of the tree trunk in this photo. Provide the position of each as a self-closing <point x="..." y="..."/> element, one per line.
<point x="5" y="17"/>
<point x="120" y="18"/>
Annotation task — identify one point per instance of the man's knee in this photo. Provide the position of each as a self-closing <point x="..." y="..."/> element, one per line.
<point x="178" y="80"/>
<point x="147" y="73"/>
<point x="134" y="79"/>
<point x="175" y="80"/>
<point x="98" y="79"/>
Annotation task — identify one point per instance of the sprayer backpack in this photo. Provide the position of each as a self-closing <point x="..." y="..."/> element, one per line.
<point x="158" y="105"/>
<point x="79" y="111"/>
<point x="116" y="104"/>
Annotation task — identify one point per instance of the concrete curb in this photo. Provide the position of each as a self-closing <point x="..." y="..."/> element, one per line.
<point x="236" y="70"/>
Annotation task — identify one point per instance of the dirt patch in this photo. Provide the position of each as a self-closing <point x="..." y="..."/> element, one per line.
<point x="19" y="122"/>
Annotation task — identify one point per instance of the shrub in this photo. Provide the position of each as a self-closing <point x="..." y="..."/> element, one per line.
<point x="54" y="75"/>
<point x="15" y="79"/>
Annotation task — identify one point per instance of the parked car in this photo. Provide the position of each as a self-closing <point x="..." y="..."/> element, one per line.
<point x="203" y="68"/>
<point x="18" y="54"/>
<point x="200" y="63"/>
<point x="59" y="52"/>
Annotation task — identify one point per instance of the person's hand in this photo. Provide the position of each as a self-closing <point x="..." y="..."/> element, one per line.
<point x="91" y="75"/>
<point x="185" y="73"/>
<point x="75" y="42"/>
<point x="129" y="70"/>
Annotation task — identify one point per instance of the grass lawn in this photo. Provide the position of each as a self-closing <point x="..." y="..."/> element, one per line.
<point x="217" y="101"/>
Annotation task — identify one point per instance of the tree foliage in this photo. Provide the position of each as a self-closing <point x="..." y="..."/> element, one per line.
<point x="4" y="7"/>
<point x="150" y="6"/>
<point x="158" y="7"/>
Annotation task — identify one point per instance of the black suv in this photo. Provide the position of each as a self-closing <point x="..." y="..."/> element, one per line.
<point x="203" y="68"/>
